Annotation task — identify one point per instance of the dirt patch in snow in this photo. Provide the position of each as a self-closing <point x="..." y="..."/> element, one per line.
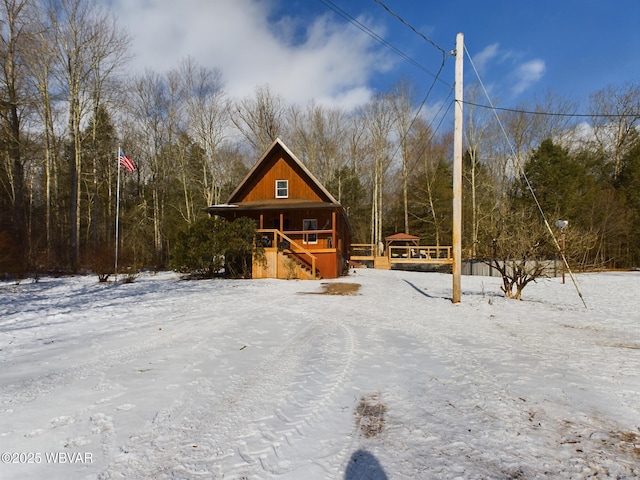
<point x="338" y="288"/>
<point x="628" y="441"/>
<point x="370" y="415"/>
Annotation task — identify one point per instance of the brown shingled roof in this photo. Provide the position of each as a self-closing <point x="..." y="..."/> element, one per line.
<point x="401" y="236"/>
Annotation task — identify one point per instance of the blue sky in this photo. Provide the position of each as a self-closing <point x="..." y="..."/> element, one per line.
<point x="305" y="50"/>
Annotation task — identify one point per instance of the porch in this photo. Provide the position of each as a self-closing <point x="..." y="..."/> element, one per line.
<point x="301" y="254"/>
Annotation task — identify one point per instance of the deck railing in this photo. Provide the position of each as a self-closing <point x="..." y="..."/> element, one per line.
<point x="403" y="253"/>
<point x="420" y="254"/>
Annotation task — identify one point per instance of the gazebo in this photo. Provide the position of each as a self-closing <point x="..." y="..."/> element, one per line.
<point x="408" y="245"/>
<point x="403" y="239"/>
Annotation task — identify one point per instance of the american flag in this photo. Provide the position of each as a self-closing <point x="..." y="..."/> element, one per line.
<point x="126" y="162"/>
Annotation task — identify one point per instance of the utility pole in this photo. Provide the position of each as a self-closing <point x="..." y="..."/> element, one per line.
<point x="457" y="170"/>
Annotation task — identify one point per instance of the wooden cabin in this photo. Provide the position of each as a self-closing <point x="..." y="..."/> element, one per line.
<point x="305" y="232"/>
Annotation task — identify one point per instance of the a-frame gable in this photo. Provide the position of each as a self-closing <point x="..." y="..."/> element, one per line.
<point x="279" y="163"/>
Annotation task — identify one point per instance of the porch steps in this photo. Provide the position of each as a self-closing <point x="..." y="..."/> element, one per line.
<point x="302" y="270"/>
<point x="382" y="263"/>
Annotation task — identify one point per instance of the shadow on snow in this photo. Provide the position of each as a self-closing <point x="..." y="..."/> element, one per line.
<point x="364" y="466"/>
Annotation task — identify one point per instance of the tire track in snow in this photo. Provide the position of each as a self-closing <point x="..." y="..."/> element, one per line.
<point x="308" y="408"/>
<point x="251" y="426"/>
<point x="177" y="315"/>
<point x="29" y="390"/>
<point x="90" y="367"/>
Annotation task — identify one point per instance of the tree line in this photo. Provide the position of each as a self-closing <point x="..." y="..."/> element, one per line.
<point x="67" y="104"/>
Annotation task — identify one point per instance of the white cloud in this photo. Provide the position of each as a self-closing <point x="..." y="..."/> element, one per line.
<point x="505" y="70"/>
<point x="482" y="59"/>
<point x="527" y="74"/>
<point x="576" y="136"/>
<point x="330" y="63"/>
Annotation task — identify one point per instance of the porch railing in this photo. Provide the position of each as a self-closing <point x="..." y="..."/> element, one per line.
<point x="276" y="238"/>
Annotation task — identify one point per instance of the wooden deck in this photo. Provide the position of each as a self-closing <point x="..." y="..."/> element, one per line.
<point x="396" y="254"/>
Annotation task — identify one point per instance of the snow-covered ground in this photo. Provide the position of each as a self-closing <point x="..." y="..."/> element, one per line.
<point x="269" y="379"/>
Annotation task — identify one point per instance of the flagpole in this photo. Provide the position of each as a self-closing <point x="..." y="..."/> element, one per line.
<point x="117" y="212"/>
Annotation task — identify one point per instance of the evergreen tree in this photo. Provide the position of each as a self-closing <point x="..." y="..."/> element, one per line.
<point x="206" y="246"/>
<point x="479" y="205"/>
<point x="100" y="166"/>
<point x="558" y="180"/>
<point x="629" y="187"/>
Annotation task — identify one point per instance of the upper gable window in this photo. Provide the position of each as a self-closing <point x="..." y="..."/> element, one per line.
<point x="282" y="188"/>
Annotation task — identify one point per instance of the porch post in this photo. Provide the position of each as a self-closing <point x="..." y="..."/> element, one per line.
<point x="333" y="229"/>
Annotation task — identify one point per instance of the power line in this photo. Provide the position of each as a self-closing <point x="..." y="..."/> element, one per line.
<point x="368" y="31"/>
<point x="555" y="114"/>
<point x="411" y="27"/>
<point x="332" y="6"/>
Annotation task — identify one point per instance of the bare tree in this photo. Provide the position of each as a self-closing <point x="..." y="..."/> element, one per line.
<point x="109" y="55"/>
<point x="319" y="138"/>
<point x="514" y="135"/>
<point x="41" y="63"/>
<point x="208" y="122"/>
<point x="616" y="115"/>
<point x="89" y="46"/>
<point x="16" y="22"/>
<point x="378" y="118"/>
<point x="477" y="139"/>
<point x="402" y="99"/>
<point x="302" y="135"/>
<point x="432" y="178"/>
<point x="260" y="119"/>
<point x="357" y="144"/>
<point x="519" y="247"/>
<point x="177" y="147"/>
<point x="149" y="105"/>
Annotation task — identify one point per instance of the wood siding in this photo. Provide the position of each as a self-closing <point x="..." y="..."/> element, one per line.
<point x="262" y="185"/>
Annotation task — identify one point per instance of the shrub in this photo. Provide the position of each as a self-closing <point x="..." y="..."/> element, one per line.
<point x="519" y="246"/>
<point x="102" y="262"/>
<point x="208" y="245"/>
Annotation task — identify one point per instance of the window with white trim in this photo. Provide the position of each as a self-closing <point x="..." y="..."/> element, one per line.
<point x="282" y="188"/>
